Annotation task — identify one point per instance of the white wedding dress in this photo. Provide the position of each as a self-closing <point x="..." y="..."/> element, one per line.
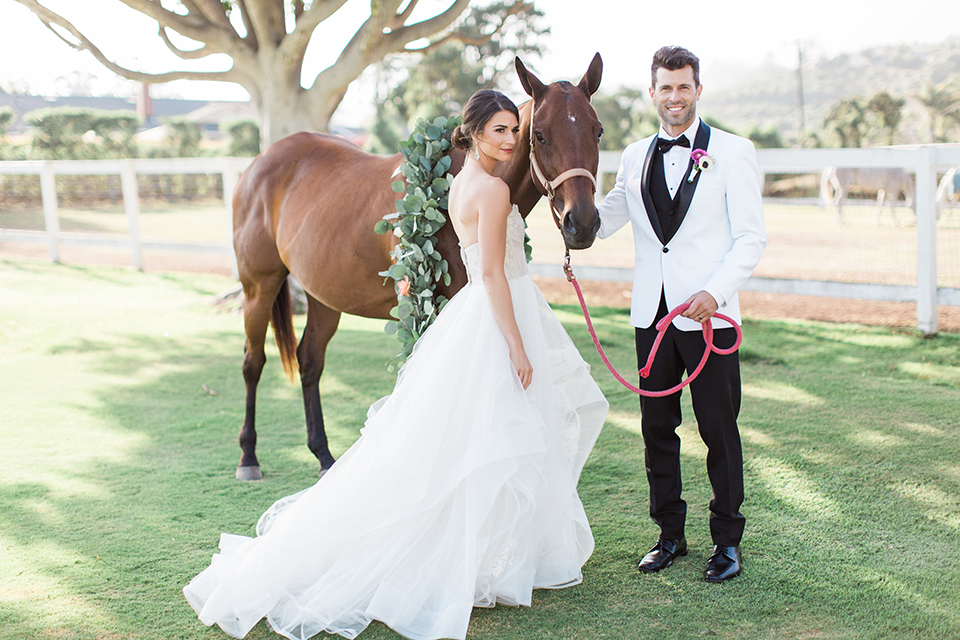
<point x="460" y="492"/>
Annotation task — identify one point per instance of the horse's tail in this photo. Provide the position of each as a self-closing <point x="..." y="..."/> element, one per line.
<point x="282" y="320"/>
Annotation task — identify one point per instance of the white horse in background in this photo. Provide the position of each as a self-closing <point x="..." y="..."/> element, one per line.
<point x="948" y="191"/>
<point x="889" y="184"/>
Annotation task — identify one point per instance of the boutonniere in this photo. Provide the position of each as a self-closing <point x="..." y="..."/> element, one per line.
<point x="701" y="162"/>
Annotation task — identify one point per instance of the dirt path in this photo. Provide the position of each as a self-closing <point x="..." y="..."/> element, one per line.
<point x="765" y="306"/>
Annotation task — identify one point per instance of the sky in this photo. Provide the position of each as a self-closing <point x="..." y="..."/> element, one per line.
<point x="730" y="37"/>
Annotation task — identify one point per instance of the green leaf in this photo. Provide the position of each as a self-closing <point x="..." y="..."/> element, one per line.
<point x="397" y="271"/>
<point x="398" y="186"/>
<point x="383" y="227"/>
<point x="390" y="327"/>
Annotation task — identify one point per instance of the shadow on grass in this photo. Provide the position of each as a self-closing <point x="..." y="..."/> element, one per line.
<point x="851" y="471"/>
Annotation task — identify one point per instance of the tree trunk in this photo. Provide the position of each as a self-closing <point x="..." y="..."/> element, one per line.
<point x="279" y="99"/>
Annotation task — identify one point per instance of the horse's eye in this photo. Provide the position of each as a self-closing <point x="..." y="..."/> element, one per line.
<point x="540" y="138"/>
<point x="600" y="135"/>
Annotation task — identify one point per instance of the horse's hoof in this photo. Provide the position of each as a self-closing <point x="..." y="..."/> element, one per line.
<point x="249" y="473"/>
<point x="322" y="472"/>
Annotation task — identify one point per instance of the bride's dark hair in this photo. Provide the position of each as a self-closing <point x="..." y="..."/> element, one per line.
<point x="481" y="106"/>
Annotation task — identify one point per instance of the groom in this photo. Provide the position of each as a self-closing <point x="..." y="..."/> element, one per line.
<point x="699" y="232"/>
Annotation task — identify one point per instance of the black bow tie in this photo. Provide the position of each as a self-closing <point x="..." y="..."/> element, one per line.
<point x="665" y="145"/>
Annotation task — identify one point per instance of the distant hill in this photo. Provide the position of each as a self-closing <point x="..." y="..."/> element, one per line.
<point x="769" y="97"/>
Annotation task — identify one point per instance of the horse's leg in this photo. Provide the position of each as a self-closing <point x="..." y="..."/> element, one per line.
<point x="322" y="323"/>
<point x="881" y="195"/>
<point x="257" y="304"/>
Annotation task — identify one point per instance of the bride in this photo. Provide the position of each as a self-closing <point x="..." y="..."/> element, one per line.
<point x="461" y="491"/>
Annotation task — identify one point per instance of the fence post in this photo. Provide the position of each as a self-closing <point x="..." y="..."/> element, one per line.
<point x="51" y="214"/>
<point x="926" y="187"/>
<point x="131" y="204"/>
<point x="230" y="178"/>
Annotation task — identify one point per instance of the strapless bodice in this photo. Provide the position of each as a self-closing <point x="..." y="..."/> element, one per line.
<point x="514" y="260"/>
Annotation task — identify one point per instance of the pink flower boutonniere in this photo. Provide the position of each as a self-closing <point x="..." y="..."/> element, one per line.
<point x="701" y="162"/>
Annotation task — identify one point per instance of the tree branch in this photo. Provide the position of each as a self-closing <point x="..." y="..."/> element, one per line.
<point x="514" y="9"/>
<point x="371" y="43"/>
<point x="195" y="54"/>
<point x="268" y="21"/>
<point x="212" y="10"/>
<point x="49" y="19"/>
<point x="251" y="37"/>
<point x="219" y="38"/>
<point x="216" y="38"/>
<point x="403" y="16"/>
<point x="319" y="11"/>
<point x="397" y="40"/>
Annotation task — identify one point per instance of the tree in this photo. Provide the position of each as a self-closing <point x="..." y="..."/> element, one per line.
<point x="244" y="137"/>
<point x="624" y="116"/>
<point x="439" y="82"/>
<point x="183" y="136"/>
<point x="847" y="120"/>
<point x="768" y="138"/>
<point x="71" y="133"/>
<point x="889" y="112"/>
<point x="7" y="117"/>
<point x="267" y="40"/>
<point x="942" y="103"/>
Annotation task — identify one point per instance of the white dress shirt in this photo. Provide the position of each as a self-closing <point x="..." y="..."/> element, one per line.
<point x="676" y="159"/>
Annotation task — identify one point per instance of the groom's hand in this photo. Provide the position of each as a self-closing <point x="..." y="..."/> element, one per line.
<point x="702" y="306"/>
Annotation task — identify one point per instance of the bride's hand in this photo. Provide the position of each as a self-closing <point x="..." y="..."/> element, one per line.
<point x="522" y="364"/>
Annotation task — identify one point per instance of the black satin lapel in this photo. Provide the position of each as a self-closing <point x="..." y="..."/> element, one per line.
<point x="645" y="191"/>
<point x="687" y="189"/>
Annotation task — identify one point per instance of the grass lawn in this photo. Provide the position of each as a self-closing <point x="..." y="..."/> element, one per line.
<point x="118" y="473"/>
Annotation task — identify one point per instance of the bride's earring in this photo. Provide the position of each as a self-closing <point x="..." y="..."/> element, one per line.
<point x="476" y="151"/>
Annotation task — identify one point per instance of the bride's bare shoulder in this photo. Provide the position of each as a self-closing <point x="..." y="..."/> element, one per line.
<point x="492" y="193"/>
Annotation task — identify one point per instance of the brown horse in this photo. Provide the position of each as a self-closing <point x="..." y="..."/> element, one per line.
<point x="307" y="207"/>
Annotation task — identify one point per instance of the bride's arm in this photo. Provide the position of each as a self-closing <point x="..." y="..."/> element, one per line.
<point x="492" y="235"/>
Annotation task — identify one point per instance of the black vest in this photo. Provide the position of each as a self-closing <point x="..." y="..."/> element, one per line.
<point x="665" y="205"/>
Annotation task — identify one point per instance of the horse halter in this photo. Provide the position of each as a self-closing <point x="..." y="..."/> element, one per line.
<point x="550" y="186"/>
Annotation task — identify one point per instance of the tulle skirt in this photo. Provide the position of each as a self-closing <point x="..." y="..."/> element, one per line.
<point x="460" y="492"/>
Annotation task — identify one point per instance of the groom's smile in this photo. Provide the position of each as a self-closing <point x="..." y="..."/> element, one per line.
<point x="676" y="93"/>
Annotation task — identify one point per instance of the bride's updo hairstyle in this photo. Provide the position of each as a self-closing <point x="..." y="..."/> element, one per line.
<point x="481" y="106"/>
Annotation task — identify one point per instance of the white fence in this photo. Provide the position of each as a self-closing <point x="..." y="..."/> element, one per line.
<point x="923" y="162"/>
<point x="128" y="170"/>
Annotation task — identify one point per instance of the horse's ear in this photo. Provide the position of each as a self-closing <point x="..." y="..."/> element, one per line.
<point x="591" y="79"/>
<point x="531" y="84"/>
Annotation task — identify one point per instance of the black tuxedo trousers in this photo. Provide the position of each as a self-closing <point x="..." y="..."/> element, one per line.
<point x="716" y="404"/>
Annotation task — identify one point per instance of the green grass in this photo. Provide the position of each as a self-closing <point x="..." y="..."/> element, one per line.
<point x="118" y="471"/>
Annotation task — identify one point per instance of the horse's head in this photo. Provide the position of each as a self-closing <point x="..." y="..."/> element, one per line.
<point x="564" y="134"/>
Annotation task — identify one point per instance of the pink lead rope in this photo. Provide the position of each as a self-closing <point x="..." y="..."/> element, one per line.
<point x="661" y="329"/>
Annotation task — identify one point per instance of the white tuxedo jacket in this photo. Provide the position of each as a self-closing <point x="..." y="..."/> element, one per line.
<point x="720" y="239"/>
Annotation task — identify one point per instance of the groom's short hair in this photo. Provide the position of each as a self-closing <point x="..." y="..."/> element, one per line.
<point x="673" y="58"/>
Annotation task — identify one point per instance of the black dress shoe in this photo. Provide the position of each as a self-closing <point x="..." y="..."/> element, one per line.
<point x="723" y="564"/>
<point x="662" y="555"/>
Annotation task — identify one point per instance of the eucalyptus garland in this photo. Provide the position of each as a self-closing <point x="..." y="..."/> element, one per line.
<point x="418" y="265"/>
